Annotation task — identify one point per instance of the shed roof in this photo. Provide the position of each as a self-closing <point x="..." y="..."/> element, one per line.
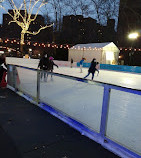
<point x="92" y="45"/>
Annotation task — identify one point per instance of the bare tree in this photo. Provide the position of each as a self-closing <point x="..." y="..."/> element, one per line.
<point x="110" y="9"/>
<point x="73" y="6"/>
<point x="58" y="7"/>
<point x="84" y="7"/>
<point x="105" y="9"/>
<point x="97" y="4"/>
<point x="25" y="19"/>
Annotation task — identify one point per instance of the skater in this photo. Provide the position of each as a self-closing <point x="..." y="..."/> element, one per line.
<point x="97" y="68"/>
<point x="3" y="70"/>
<point x="51" y="64"/>
<point x="71" y="62"/>
<point x="92" y="68"/>
<point x="44" y="66"/>
<point x="81" y="64"/>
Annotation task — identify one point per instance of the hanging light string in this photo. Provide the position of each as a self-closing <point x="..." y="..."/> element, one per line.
<point x="64" y="46"/>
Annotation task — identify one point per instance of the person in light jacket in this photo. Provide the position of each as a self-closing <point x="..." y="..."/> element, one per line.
<point x="81" y="64"/>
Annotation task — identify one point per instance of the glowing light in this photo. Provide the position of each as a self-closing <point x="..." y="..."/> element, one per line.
<point x="109" y="56"/>
<point x="133" y="35"/>
<point x="9" y="50"/>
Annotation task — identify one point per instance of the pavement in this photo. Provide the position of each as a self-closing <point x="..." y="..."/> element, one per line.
<point x="26" y="131"/>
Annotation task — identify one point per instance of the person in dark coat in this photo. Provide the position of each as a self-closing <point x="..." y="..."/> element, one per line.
<point x="92" y="68"/>
<point x="3" y="66"/>
<point x="71" y="62"/>
<point x="51" y="64"/>
<point x="44" y="65"/>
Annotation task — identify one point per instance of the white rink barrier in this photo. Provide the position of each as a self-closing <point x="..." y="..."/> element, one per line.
<point x="33" y="63"/>
<point x="107" y="114"/>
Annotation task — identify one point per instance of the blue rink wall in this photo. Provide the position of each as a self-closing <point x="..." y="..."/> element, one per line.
<point x="133" y="69"/>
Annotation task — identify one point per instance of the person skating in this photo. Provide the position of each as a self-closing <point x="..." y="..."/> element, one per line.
<point x="81" y="64"/>
<point x="71" y="62"/>
<point x="97" y="68"/>
<point x="92" y="68"/>
<point x="44" y="66"/>
<point x="51" y="64"/>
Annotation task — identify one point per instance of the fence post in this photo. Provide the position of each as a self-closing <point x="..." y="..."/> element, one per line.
<point x="14" y="77"/>
<point x="105" y="106"/>
<point x="38" y="86"/>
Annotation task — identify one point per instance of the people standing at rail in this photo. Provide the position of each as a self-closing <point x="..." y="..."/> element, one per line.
<point x="92" y="68"/>
<point x="44" y="66"/>
<point x="81" y="64"/>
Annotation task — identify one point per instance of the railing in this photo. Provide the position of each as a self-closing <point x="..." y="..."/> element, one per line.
<point x="108" y="114"/>
<point x="122" y="68"/>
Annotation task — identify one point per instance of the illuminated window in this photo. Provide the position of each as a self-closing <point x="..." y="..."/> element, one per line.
<point x="109" y="55"/>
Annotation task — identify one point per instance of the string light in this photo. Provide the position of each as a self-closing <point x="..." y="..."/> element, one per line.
<point x="66" y="46"/>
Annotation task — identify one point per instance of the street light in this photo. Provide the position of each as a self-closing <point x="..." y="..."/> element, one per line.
<point x="132" y="36"/>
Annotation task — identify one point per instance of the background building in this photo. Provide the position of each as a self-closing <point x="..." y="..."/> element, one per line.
<point x="77" y="29"/>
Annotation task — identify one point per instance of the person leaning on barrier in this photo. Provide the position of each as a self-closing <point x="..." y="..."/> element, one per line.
<point x="44" y="65"/>
<point x="3" y="66"/>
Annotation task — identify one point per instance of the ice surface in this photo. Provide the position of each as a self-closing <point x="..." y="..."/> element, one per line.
<point x="83" y="101"/>
<point x="79" y="100"/>
<point x="129" y="80"/>
<point x="124" y="119"/>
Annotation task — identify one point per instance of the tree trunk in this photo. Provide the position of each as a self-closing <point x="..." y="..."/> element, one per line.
<point x="22" y="43"/>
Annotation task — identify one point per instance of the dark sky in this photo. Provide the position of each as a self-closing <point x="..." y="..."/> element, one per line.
<point x="2" y="11"/>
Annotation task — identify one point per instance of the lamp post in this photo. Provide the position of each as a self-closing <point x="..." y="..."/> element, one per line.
<point x="132" y="36"/>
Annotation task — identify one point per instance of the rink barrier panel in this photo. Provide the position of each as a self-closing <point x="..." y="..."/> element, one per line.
<point x="123" y="68"/>
<point x="34" y="62"/>
<point x="98" y="137"/>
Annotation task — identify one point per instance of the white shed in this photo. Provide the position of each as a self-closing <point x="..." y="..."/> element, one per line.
<point x="105" y="53"/>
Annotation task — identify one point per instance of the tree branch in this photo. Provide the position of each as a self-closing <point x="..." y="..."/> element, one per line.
<point x="35" y="33"/>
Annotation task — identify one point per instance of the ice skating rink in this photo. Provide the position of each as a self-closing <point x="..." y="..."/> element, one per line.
<point x="130" y="80"/>
<point x="83" y="101"/>
<point x="124" y="79"/>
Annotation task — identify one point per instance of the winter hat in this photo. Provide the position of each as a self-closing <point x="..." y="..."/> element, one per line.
<point x="51" y="58"/>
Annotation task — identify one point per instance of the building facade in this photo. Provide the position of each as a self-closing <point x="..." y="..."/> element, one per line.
<point x="77" y="29"/>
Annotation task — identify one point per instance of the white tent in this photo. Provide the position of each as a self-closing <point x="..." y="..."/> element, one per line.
<point x="105" y="53"/>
